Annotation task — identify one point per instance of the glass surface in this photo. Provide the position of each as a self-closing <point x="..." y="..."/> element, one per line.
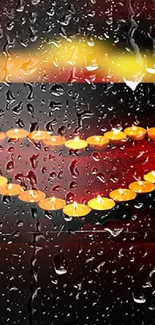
<point x="77" y="68"/>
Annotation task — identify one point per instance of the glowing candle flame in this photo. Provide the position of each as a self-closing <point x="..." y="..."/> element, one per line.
<point x="153" y="173"/>
<point x="134" y="128"/>
<point x="97" y="139"/>
<point x="140" y="183"/>
<point x="9" y="186"/>
<point x="32" y="193"/>
<point x="120" y="191"/>
<point x="99" y="198"/>
<point x="16" y="130"/>
<point x="53" y="139"/>
<point x="116" y="131"/>
<point x="37" y="133"/>
<point x="75" y="205"/>
<point x="53" y="200"/>
<point x="76" y="139"/>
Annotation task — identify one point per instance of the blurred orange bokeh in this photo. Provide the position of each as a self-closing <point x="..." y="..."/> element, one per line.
<point x="76" y="61"/>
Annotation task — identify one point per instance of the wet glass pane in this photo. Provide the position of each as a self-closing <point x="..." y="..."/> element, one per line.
<point x="77" y="167"/>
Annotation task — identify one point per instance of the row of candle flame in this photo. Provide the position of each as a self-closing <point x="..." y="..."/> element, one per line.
<point x="76" y="209"/>
<point x="97" y="141"/>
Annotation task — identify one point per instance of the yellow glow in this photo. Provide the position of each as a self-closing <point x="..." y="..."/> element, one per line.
<point x="99" y="59"/>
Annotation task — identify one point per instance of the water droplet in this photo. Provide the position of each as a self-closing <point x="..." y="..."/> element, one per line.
<point x="140" y="300"/>
<point x="60" y="264"/>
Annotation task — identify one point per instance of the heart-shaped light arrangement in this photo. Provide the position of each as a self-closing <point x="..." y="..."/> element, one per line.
<point x="98" y="142"/>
